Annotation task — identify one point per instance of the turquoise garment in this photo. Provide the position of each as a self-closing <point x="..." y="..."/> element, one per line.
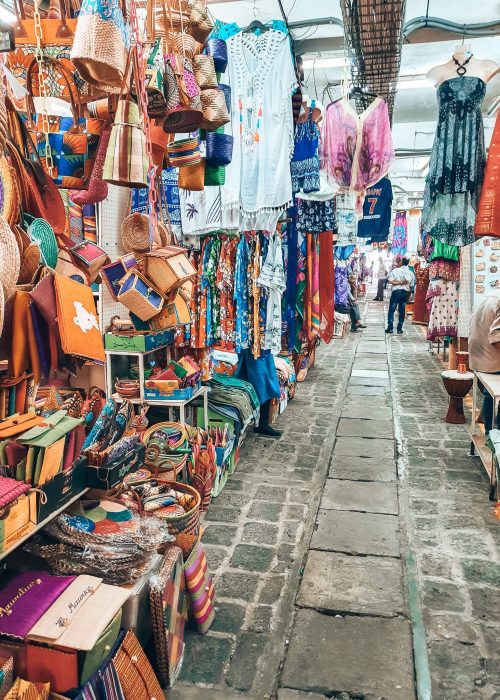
<point x="242" y="328"/>
<point x="223" y="30"/>
<point x="261" y="373"/>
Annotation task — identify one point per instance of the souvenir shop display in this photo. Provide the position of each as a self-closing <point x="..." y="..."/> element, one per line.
<point x="181" y="226"/>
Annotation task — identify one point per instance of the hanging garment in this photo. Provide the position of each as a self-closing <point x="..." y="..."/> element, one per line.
<point x="465" y="292"/>
<point x="446" y="269"/>
<point x="356" y="150"/>
<point x="488" y="215"/>
<point x="414" y="219"/>
<point x="420" y="312"/>
<point x="300" y="288"/>
<point x="456" y="167"/>
<point x="272" y="277"/>
<point x="316" y="217"/>
<point x="305" y="161"/>
<point x="341" y="284"/>
<point x="400" y="236"/>
<point x="326" y="286"/>
<point x="377" y="212"/>
<point x="442" y="298"/>
<point x="312" y="300"/>
<point x="200" y="212"/>
<point x="241" y="298"/>
<point x="258" y="181"/>
<point x="225" y="285"/>
<point x="291" y="240"/>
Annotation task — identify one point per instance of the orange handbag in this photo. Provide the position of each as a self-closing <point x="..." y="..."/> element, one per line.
<point x="77" y="319"/>
<point x="20" y="357"/>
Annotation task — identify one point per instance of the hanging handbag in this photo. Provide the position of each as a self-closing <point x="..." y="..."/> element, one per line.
<point x="200" y="23"/>
<point x="168" y="268"/>
<point x="157" y="104"/>
<point x="204" y="71"/>
<point x="139" y="296"/>
<point x="135" y="674"/>
<point x="192" y="177"/>
<point x="90" y="258"/>
<point x="219" y="148"/>
<point x="226" y="89"/>
<point x="39" y="195"/>
<point x="184" y="152"/>
<point x="73" y="141"/>
<point x="217" y="48"/>
<point x="184" y="112"/>
<point x="215" y="175"/>
<point x="214" y="107"/>
<point x="126" y="161"/>
<point x="102" y="43"/>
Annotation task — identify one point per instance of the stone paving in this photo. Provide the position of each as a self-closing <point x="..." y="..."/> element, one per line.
<point x="311" y="543"/>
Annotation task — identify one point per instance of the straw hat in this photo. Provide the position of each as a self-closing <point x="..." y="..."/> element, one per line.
<point x="10" y="259"/>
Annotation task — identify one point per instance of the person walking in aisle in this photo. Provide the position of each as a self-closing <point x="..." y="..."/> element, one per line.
<point x="381" y="277"/>
<point x="401" y="281"/>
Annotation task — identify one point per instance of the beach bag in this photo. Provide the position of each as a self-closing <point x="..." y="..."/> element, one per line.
<point x="137" y="679"/>
<point x="184" y="152"/>
<point x="215" y="113"/>
<point x="200" y="588"/>
<point x="200" y="23"/>
<point x="126" y="162"/>
<point x="73" y="141"/>
<point x="219" y="148"/>
<point x="102" y="44"/>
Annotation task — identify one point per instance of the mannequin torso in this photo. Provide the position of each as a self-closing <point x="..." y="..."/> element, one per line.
<point x="475" y="67"/>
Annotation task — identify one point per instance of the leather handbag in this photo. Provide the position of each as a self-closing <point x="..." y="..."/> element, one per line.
<point x="139" y="296"/>
<point x="126" y="162"/>
<point x="66" y="268"/>
<point x="168" y="600"/>
<point x="77" y="320"/>
<point x="137" y="678"/>
<point x="73" y="141"/>
<point x="200" y="589"/>
<point x="39" y="195"/>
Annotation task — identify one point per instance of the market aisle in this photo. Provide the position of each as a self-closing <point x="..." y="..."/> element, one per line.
<point x="338" y="591"/>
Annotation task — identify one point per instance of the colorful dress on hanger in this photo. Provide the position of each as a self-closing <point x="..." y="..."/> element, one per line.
<point x="272" y="276"/>
<point x="241" y="297"/>
<point x="400" y="235"/>
<point x="356" y="150"/>
<point x="456" y="167"/>
<point x="305" y="161"/>
<point x="262" y="78"/>
<point x="225" y="277"/>
<point x="488" y="216"/>
<point x="420" y="312"/>
<point x="442" y="298"/>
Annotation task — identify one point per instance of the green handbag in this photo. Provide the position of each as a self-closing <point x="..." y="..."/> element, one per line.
<point x="215" y="175"/>
<point x="51" y="430"/>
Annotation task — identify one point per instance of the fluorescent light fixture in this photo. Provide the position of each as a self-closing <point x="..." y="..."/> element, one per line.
<point x="7" y="16"/>
<point x="417" y="84"/>
<point x="310" y="63"/>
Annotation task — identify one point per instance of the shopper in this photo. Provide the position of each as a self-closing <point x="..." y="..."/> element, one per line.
<point x="354" y="310"/>
<point x="381" y="277"/>
<point x="401" y="281"/>
<point x="484" y="346"/>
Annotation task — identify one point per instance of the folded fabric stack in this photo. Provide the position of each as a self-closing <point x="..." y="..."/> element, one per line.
<point x="235" y="399"/>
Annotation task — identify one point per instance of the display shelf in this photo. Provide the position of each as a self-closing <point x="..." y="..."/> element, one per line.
<point x="491" y="383"/>
<point x="42" y="523"/>
<point x="172" y="403"/>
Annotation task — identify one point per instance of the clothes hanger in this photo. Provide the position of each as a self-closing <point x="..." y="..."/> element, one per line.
<point x="256" y="24"/>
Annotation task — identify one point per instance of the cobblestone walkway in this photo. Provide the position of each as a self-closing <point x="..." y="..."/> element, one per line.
<point x="366" y="513"/>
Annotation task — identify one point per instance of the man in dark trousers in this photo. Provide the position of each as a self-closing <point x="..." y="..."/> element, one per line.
<point x="401" y="280"/>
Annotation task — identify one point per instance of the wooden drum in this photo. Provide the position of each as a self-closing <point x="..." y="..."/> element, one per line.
<point x="458" y="385"/>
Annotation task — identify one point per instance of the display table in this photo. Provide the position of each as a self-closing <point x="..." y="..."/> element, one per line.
<point x="202" y="393"/>
<point x="491" y="383"/>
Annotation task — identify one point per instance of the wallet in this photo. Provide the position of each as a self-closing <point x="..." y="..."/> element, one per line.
<point x="49" y="665"/>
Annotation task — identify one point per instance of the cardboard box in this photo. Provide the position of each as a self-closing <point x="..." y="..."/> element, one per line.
<point x="62" y="488"/>
<point x="138" y="343"/>
<point x="20" y="521"/>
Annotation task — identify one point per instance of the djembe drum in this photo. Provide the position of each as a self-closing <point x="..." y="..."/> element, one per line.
<point x="458" y="385"/>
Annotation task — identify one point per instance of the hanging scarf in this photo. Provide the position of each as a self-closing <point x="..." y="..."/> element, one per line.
<point x="291" y="277"/>
<point x="326" y="285"/>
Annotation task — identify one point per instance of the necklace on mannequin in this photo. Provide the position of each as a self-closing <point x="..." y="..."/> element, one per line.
<point x="461" y="69"/>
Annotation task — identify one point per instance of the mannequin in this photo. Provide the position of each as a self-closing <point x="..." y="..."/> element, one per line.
<point x="473" y="66"/>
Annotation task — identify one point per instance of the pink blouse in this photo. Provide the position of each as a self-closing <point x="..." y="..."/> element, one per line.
<point x="356" y="150"/>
